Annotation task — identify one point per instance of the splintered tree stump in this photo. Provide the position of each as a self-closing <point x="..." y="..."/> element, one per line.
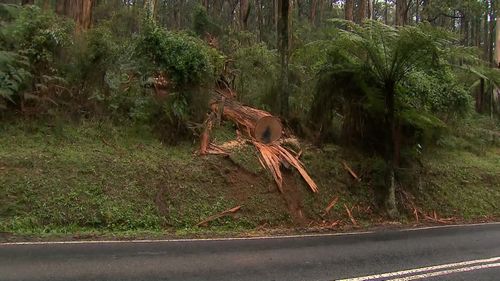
<point x="258" y="124"/>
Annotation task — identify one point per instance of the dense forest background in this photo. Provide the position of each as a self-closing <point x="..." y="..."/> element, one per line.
<point x="388" y="78"/>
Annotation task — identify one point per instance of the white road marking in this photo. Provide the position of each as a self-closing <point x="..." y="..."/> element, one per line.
<point x="447" y="272"/>
<point x="422" y="269"/>
<point x="184" y="240"/>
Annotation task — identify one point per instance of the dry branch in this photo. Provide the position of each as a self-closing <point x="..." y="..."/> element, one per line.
<point x="331" y="205"/>
<point x="220" y="215"/>
<point x="349" y="213"/>
<point x="351" y="172"/>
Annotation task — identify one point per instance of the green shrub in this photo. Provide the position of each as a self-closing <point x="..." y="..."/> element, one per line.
<point x="32" y="41"/>
<point x="190" y="68"/>
<point x="257" y="72"/>
<point x="14" y="76"/>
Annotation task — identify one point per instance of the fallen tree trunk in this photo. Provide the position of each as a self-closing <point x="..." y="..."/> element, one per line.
<point x="262" y="129"/>
<point x="256" y="123"/>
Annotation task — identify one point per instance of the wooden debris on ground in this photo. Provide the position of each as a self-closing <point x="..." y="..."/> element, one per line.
<point x="261" y="128"/>
<point x="205" y="135"/>
<point x="419" y="214"/>
<point x="350" y="171"/>
<point x="271" y="157"/>
<point x="228" y="212"/>
<point x="331" y="205"/>
<point x="215" y="150"/>
<point x="349" y="213"/>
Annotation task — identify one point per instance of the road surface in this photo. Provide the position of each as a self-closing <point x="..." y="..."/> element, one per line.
<point x="448" y="253"/>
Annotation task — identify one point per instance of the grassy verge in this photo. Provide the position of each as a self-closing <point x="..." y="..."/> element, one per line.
<point x="102" y="179"/>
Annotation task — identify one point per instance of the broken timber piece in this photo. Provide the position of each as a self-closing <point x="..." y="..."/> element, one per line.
<point x="256" y="123"/>
<point x="331" y="205"/>
<point x="220" y="215"/>
<point x="351" y="172"/>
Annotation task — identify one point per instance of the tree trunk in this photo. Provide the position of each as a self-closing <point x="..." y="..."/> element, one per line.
<point x="401" y="13"/>
<point x="497" y="45"/>
<point x="362" y="10"/>
<point x="386" y="12"/>
<point x="283" y="47"/>
<point x="78" y="10"/>
<point x="276" y="13"/>
<point x="480" y="96"/>
<point x="27" y="2"/>
<point x="390" y="153"/>
<point x="260" y="22"/>
<point x="151" y="7"/>
<point x="256" y="123"/>
<point x="486" y="45"/>
<point x="491" y="47"/>
<point x="244" y="13"/>
<point x="417" y="11"/>
<point x="46" y="5"/>
<point x="370" y="9"/>
<point x="349" y="10"/>
<point x="314" y="6"/>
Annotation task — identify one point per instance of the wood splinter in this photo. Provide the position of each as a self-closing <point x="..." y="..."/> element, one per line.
<point x="220" y="215"/>
<point x="351" y="172"/>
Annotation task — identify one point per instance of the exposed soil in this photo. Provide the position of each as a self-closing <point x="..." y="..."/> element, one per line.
<point x="244" y="185"/>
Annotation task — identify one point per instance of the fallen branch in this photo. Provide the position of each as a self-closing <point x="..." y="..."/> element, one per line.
<point x="349" y="213"/>
<point x="331" y="205"/>
<point x="351" y="172"/>
<point x="117" y="149"/>
<point x="220" y="215"/>
<point x="205" y="135"/>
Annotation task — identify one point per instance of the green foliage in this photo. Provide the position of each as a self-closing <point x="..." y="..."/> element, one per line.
<point x="203" y="24"/>
<point x="188" y="61"/>
<point x="14" y="75"/>
<point x="439" y="93"/>
<point x="38" y="35"/>
<point x="32" y="40"/>
<point x="257" y="71"/>
<point x="366" y="63"/>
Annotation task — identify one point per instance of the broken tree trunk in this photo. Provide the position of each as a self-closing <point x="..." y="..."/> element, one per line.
<point x="264" y="131"/>
<point x="256" y="123"/>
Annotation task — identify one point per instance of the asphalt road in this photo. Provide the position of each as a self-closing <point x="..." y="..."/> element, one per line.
<point x="461" y="253"/>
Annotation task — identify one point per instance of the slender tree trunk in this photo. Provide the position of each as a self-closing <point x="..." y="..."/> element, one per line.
<point x="486" y="45"/>
<point x="401" y="12"/>
<point x="480" y="95"/>
<point x="390" y="153"/>
<point x="386" y="12"/>
<point x="314" y="6"/>
<point x="370" y="9"/>
<point x="276" y="13"/>
<point x="497" y="44"/>
<point x="260" y="23"/>
<point x="283" y="47"/>
<point x="362" y="10"/>
<point x="492" y="32"/>
<point x="349" y="10"/>
<point x="244" y="13"/>
<point x="417" y="11"/>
